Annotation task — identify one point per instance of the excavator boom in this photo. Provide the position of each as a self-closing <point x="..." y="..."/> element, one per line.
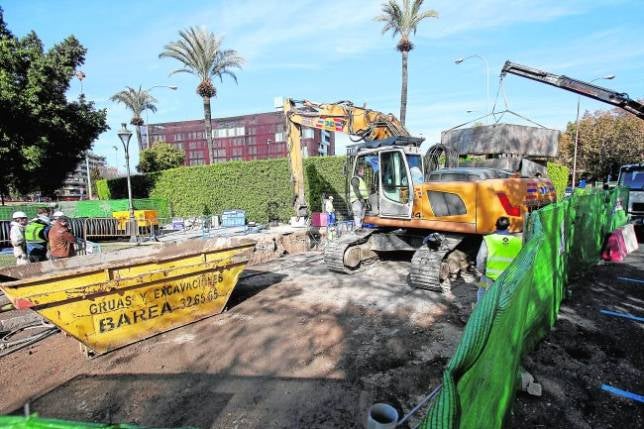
<point x="340" y="117"/>
<point x="599" y="93"/>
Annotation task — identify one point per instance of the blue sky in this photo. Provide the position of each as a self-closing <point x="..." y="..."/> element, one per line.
<point x="333" y="50"/>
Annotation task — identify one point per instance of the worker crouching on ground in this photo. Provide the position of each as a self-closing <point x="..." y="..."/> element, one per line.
<point x="36" y="236"/>
<point x="358" y="194"/>
<point x="61" y="240"/>
<point x="17" y="235"/>
<point x="497" y="252"/>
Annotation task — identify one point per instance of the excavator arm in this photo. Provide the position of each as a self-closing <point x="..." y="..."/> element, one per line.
<point x="340" y="117"/>
<point x="599" y="93"/>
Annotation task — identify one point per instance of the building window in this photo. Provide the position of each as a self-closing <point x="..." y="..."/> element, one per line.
<point x="307" y="133"/>
<point x="279" y="137"/>
<point x="240" y="131"/>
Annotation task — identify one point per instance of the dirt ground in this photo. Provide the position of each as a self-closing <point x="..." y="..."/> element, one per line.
<point x="298" y="347"/>
<point x="302" y="347"/>
<point x="587" y="349"/>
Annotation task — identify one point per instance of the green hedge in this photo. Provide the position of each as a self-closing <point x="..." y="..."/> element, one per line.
<point x="325" y="175"/>
<point x="116" y="189"/>
<point x="559" y="175"/>
<point x="261" y="188"/>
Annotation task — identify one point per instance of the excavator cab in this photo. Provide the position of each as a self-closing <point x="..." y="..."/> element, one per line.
<point x="390" y="168"/>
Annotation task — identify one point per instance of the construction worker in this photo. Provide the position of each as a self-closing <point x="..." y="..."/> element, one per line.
<point x="358" y="194"/>
<point x="36" y="236"/>
<point x="61" y="240"/>
<point x="496" y="253"/>
<point x="329" y="210"/>
<point x="56" y="215"/>
<point x="17" y="235"/>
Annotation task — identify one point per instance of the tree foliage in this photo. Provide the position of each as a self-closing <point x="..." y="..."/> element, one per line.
<point x="558" y="174"/>
<point x="607" y="140"/>
<point x="403" y="20"/>
<point x="43" y="135"/>
<point x="161" y="156"/>
<point x="201" y="54"/>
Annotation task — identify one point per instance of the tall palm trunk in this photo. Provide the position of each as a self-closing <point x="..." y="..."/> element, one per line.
<point x="208" y="127"/>
<point x="138" y="137"/>
<point x="403" y="90"/>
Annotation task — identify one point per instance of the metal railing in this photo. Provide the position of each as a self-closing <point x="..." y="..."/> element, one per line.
<point x="5" y="228"/>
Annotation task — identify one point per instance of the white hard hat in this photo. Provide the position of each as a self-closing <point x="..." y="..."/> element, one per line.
<point x="331" y="197"/>
<point x="18" y="215"/>
<point x="58" y="214"/>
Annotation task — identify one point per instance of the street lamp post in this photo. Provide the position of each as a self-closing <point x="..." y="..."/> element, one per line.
<point x="487" y="75"/>
<point x="574" y="156"/>
<point x="125" y="135"/>
<point x="147" y="124"/>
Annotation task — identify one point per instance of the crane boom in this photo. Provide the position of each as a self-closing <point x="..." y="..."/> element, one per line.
<point x="342" y="117"/>
<point x="619" y="99"/>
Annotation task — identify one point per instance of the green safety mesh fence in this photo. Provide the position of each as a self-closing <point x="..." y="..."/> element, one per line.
<point x="30" y="209"/>
<point x="34" y="422"/>
<point x="91" y="208"/>
<point x="104" y="208"/>
<point x="562" y="240"/>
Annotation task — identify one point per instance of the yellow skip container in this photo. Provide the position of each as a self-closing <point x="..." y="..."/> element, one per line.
<point x="110" y="300"/>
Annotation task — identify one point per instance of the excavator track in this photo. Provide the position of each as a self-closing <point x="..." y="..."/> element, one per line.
<point x="425" y="271"/>
<point x="428" y="271"/>
<point x="335" y="250"/>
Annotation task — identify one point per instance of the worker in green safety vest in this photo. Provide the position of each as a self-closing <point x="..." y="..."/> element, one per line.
<point x="36" y="236"/>
<point x="358" y="194"/>
<point x="496" y="253"/>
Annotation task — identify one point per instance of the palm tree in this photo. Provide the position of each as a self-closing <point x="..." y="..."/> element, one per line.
<point x="137" y="101"/>
<point x="403" y="20"/>
<point x="201" y="54"/>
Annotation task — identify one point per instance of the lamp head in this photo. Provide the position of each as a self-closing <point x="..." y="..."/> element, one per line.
<point x="459" y="60"/>
<point x="125" y="135"/>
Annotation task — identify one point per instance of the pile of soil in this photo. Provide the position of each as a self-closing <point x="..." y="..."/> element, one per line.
<point x="587" y="349"/>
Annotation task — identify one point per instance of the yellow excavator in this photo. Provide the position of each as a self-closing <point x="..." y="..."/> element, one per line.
<point x="413" y="206"/>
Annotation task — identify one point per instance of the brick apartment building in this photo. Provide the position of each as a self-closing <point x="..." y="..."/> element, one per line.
<point x="247" y="137"/>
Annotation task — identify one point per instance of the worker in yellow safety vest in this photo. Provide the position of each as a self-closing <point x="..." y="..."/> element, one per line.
<point x="36" y="233"/>
<point x="496" y="253"/>
<point x="358" y="194"/>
